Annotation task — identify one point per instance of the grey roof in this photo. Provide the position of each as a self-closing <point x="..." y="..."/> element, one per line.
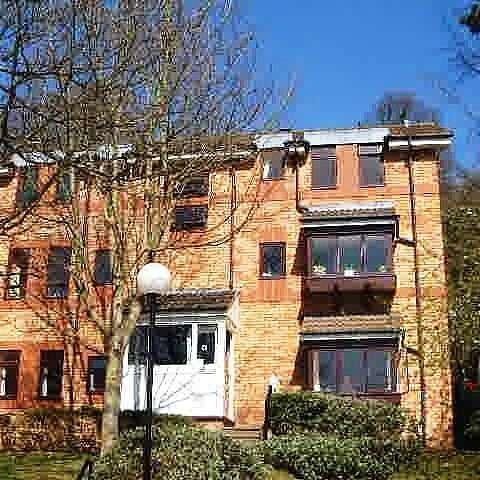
<point x="349" y="209"/>
<point x="348" y="328"/>
<point x="196" y="299"/>
<point x="350" y="323"/>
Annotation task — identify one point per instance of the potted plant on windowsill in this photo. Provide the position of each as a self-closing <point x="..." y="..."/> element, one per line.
<point x="319" y="269"/>
<point x="349" y="271"/>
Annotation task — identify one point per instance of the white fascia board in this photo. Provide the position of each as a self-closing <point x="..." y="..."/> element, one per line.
<point x="348" y="136"/>
<point x="385" y="335"/>
<point x="429" y="142"/>
<point x="36" y="158"/>
<point x="182" y="318"/>
<point x="326" y="137"/>
<point x="272" y="140"/>
<point x="341" y="222"/>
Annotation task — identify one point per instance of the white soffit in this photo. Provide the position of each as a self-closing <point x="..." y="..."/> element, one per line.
<point x="326" y="137"/>
<point x="272" y="140"/>
<point x="428" y="142"/>
<point x="347" y="136"/>
<point x="35" y="158"/>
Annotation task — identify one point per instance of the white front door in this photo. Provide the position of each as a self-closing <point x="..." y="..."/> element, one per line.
<point x="189" y="367"/>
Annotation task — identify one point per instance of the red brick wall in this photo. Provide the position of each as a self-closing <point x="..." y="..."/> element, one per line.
<point x="270" y="310"/>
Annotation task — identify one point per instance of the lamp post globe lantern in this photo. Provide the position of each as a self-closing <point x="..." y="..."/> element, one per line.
<point x="152" y="279"/>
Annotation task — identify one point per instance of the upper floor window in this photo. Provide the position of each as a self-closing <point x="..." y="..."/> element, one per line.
<point x="9" y="363"/>
<point x="103" y="267"/>
<point x="193" y="187"/>
<point x="273" y="164"/>
<point x="17" y="273"/>
<point x="324" y="167"/>
<point x="28" y="186"/>
<point x="372" y="167"/>
<point x="51" y="373"/>
<point x="58" y="272"/>
<point x="96" y="373"/>
<point x="350" y="254"/>
<point x="189" y="217"/>
<point x="356" y="370"/>
<point x="64" y="186"/>
<point x="272" y="260"/>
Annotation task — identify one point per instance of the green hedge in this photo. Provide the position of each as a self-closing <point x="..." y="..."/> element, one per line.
<point x="323" y="413"/>
<point x="51" y="429"/>
<point x="472" y="430"/>
<point x="182" y="452"/>
<point x="467" y="421"/>
<point x="130" y="419"/>
<point x="324" y="457"/>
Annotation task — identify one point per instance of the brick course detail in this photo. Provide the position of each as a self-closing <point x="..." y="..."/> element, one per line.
<point x="271" y="311"/>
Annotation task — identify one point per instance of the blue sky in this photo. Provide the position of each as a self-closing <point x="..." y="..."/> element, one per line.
<point x="344" y="55"/>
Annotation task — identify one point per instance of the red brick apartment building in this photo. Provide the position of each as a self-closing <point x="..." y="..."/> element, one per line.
<point x="335" y="283"/>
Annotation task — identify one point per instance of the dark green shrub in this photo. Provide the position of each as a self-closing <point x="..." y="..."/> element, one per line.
<point x="182" y="452"/>
<point x="472" y="431"/>
<point x="130" y="419"/>
<point x="326" y="457"/>
<point x="53" y="429"/>
<point x="329" y="414"/>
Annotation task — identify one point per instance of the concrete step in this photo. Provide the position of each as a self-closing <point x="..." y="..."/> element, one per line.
<point x="244" y="434"/>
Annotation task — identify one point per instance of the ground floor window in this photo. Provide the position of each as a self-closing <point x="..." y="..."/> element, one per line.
<point x="51" y="373"/>
<point x="9" y="362"/>
<point x="175" y="344"/>
<point x="96" y="373"/>
<point x="355" y="370"/>
<point x="206" y="343"/>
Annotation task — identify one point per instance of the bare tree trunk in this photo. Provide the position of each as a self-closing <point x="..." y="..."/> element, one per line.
<point x="111" y="400"/>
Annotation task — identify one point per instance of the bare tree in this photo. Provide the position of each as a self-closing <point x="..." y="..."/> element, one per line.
<point x="115" y="104"/>
<point x="400" y="106"/>
<point x="397" y="106"/>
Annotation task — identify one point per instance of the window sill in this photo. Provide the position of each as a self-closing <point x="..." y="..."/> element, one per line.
<point x="50" y="398"/>
<point x="378" y="185"/>
<point x="272" y="277"/>
<point x="8" y="397"/>
<point x="330" y="187"/>
<point x="202" y="228"/>
<point x="393" y="397"/>
<point x="274" y="179"/>
<point x="199" y="195"/>
<point x="210" y="368"/>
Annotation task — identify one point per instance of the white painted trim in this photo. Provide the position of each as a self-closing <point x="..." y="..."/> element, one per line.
<point x="315" y="370"/>
<point x="329" y="222"/>
<point x="272" y="140"/>
<point x="429" y="142"/>
<point x="350" y="336"/>
<point x="348" y="136"/>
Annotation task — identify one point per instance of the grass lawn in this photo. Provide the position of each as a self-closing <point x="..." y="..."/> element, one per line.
<point x="278" y="475"/>
<point x="54" y="466"/>
<point x="40" y="466"/>
<point x="458" y="466"/>
<point x="64" y="466"/>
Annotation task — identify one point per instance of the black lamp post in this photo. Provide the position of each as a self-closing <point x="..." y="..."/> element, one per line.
<point x="153" y="279"/>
